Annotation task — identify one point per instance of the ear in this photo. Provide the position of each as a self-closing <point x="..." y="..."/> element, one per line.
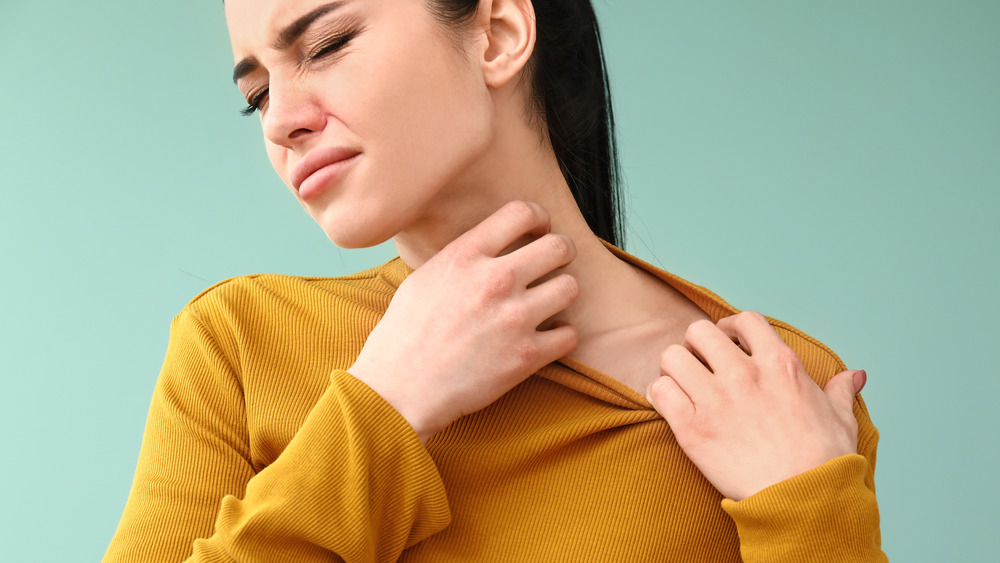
<point x="510" y="39"/>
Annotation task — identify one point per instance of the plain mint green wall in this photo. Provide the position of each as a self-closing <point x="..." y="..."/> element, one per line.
<point x="833" y="164"/>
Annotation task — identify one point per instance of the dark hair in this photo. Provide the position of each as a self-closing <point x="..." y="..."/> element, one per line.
<point x="572" y="95"/>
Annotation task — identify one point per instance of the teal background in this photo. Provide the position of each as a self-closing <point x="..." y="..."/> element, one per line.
<point x="832" y="164"/>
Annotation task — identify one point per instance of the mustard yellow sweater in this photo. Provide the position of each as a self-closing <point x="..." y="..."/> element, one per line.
<point x="260" y="447"/>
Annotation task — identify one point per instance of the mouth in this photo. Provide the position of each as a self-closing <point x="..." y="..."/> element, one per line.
<point x="319" y="168"/>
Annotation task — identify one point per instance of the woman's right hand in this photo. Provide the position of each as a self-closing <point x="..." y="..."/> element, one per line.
<point x="463" y="329"/>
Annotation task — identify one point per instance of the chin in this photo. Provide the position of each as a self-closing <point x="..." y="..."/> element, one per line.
<point x="354" y="230"/>
<point x="349" y="241"/>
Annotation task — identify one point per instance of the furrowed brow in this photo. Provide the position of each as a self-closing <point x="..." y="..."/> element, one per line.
<point x="243" y="68"/>
<point x="290" y="34"/>
<point x="286" y="37"/>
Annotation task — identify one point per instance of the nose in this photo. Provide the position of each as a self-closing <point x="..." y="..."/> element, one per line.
<point x="292" y="114"/>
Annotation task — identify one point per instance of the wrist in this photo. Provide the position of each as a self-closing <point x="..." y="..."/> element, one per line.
<point x="408" y="402"/>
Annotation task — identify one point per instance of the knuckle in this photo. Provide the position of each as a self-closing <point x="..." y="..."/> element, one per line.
<point x="498" y="283"/>
<point x="557" y="244"/>
<point x="521" y="212"/>
<point x="570" y="287"/>
<point x="751" y="316"/>
<point x="787" y="355"/>
<point x="526" y="354"/>
<point x="563" y="339"/>
<point x="701" y="326"/>
<point x="572" y="338"/>
<point x="672" y="354"/>
<point x="561" y="246"/>
<point x="461" y="250"/>
<point x="706" y="431"/>
<point x="784" y="356"/>
<point x="660" y="389"/>
<point x="512" y="318"/>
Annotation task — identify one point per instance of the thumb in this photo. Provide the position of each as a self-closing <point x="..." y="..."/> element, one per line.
<point x="844" y="386"/>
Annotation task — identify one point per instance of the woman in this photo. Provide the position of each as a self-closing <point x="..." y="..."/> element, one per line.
<point x="510" y="388"/>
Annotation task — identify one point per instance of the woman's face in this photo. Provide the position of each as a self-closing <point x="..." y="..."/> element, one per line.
<point x="371" y="114"/>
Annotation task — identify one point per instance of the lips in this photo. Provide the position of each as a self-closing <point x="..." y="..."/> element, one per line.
<point x="320" y="162"/>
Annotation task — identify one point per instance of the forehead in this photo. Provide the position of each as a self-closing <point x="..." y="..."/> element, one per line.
<point x="254" y="24"/>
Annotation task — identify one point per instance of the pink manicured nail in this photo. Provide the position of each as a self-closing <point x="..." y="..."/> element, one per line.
<point x="860" y="378"/>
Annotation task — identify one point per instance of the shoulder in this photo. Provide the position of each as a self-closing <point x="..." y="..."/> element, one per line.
<point x="250" y="294"/>
<point x="252" y="308"/>
<point x="265" y="324"/>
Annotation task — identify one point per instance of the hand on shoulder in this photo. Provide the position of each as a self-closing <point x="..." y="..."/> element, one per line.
<point x="744" y="410"/>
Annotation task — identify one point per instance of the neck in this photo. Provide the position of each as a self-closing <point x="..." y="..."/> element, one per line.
<point x="515" y="166"/>
<point x="602" y="277"/>
<point x="518" y="165"/>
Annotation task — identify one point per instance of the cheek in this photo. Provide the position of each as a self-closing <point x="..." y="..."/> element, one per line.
<point x="432" y="110"/>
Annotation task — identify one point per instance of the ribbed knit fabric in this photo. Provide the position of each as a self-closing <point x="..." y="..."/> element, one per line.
<point x="260" y="447"/>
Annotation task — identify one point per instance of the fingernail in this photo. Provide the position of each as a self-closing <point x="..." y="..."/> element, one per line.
<point x="860" y="378"/>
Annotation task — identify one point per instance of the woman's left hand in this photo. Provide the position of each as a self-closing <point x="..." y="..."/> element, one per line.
<point x="744" y="410"/>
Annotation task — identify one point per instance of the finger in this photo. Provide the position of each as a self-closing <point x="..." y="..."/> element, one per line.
<point x="686" y="370"/>
<point x="540" y="257"/>
<point x="557" y="342"/>
<point x="841" y="390"/>
<point x="713" y="346"/>
<point x="550" y="297"/>
<point x="506" y="225"/>
<point x="751" y="330"/>
<point x="670" y="401"/>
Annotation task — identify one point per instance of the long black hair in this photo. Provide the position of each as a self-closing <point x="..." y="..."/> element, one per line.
<point x="572" y="95"/>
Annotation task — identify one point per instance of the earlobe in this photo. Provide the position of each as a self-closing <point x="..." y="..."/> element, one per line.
<point x="510" y="39"/>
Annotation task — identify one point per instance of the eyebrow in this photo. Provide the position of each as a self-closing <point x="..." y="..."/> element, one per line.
<point x="286" y="37"/>
<point x="243" y="68"/>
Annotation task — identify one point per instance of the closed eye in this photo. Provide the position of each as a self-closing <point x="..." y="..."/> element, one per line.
<point x="332" y="45"/>
<point x="327" y="48"/>
<point x="255" y="103"/>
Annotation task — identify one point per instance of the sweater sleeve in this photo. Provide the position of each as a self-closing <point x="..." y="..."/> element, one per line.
<point x="354" y="483"/>
<point x="826" y="514"/>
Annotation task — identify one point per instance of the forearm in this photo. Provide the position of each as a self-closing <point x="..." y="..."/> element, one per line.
<point x="355" y="484"/>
